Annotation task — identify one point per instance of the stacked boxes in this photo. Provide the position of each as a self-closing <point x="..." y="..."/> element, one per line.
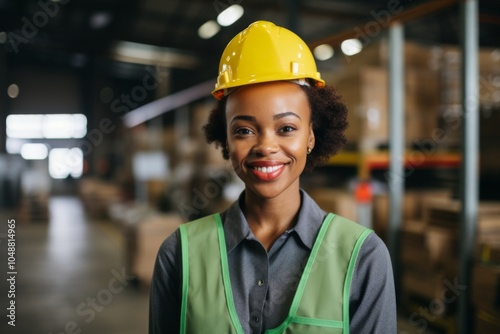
<point x="413" y="204"/>
<point x="149" y="234"/>
<point x="338" y="201"/>
<point x="363" y="84"/>
<point x="429" y="257"/>
<point x="143" y="229"/>
<point x="432" y="92"/>
<point x="97" y="196"/>
<point x="365" y="93"/>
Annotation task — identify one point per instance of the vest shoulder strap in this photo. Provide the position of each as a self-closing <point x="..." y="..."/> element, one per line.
<point x="202" y="268"/>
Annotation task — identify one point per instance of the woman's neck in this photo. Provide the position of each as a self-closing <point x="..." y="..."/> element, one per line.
<point x="268" y="218"/>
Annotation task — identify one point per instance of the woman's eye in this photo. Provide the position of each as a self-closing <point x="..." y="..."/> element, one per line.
<point x="243" y="131"/>
<point x="287" y="128"/>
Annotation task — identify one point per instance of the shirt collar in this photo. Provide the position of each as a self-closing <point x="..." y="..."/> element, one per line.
<point x="309" y="221"/>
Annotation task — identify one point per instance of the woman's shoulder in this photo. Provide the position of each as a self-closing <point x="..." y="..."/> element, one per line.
<point x="171" y="244"/>
<point x="374" y="255"/>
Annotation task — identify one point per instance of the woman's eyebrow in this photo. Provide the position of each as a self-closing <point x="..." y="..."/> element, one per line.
<point x="253" y="119"/>
<point x="285" y="114"/>
<point x="243" y="117"/>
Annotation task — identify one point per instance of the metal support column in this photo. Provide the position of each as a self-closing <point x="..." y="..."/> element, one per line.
<point x="396" y="140"/>
<point x="470" y="148"/>
<point x="3" y="98"/>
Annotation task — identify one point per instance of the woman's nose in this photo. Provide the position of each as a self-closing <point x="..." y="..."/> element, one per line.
<point x="266" y="144"/>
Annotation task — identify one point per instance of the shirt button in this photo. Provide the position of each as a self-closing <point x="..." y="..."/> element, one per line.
<point x="256" y="320"/>
<point x="260" y="282"/>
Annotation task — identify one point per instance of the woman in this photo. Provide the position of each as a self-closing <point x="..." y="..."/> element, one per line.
<point x="273" y="261"/>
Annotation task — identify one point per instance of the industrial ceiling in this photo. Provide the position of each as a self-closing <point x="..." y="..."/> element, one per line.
<point x="82" y="33"/>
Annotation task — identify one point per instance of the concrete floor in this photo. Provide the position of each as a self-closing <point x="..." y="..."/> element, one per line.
<point x="70" y="277"/>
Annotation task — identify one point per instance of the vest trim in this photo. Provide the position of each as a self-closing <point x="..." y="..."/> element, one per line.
<point x="318" y="322"/>
<point x="185" y="277"/>
<point x="348" y="280"/>
<point x="225" y="276"/>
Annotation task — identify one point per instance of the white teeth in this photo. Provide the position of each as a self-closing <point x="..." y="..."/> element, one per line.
<point x="268" y="169"/>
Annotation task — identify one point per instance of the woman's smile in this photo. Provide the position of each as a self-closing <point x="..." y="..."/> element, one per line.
<point x="266" y="170"/>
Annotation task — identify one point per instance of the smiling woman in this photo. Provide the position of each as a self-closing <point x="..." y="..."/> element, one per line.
<point x="274" y="261"/>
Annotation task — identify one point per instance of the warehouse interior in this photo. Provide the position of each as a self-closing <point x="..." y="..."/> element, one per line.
<point x="102" y="153"/>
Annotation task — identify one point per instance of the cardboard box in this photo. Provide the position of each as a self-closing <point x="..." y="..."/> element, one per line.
<point x="337" y="201"/>
<point x="156" y="189"/>
<point x="486" y="289"/>
<point x="98" y="196"/>
<point x="445" y="212"/>
<point x="423" y="248"/>
<point x="413" y="204"/>
<point x="442" y="217"/>
<point x="413" y="252"/>
<point x="442" y="248"/>
<point x="364" y="91"/>
<point x="150" y="234"/>
<point x="425" y="283"/>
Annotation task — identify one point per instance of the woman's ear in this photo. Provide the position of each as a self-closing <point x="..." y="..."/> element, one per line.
<point x="311" y="140"/>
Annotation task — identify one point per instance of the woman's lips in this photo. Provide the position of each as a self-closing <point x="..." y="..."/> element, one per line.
<point x="267" y="173"/>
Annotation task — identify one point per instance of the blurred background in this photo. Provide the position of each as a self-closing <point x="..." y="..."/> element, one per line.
<point x="102" y="154"/>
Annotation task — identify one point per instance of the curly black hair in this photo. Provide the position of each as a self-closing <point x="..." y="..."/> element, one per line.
<point x="329" y="118"/>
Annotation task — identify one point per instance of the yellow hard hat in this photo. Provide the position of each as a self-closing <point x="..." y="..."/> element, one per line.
<point x="264" y="52"/>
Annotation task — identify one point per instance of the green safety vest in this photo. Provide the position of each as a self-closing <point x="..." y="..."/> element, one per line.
<point x="320" y="304"/>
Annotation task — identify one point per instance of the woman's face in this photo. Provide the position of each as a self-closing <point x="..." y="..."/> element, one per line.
<point x="268" y="132"/>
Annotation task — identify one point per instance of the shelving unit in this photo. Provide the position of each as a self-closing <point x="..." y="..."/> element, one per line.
<point x="367" y="162"/>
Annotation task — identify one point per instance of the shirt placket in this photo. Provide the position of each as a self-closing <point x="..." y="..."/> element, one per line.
<point x="258" y="291"/>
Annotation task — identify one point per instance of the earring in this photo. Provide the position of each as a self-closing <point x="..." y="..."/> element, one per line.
<point x="309" y="150"/>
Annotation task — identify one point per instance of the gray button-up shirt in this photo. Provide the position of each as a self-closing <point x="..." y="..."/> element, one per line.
<point x="264" y="282"/>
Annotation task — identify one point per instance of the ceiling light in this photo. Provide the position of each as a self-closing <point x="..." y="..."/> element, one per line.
<point x="351" y="47"/>
<point x="64" y="162"/>
<point x="208" y="29"/>
<point x="100" y="20"/>
<point x="24" y="126"/>
<point x="323" y="52"/>
<point x="13" y="91"/>
<point x="33" y="151"/>
<point x="64" y="126"/>
<point x="230" y="15"/>
<point x="145" y="54"/>
<point x="14" y="145"/>
<point x="46" y="126"/>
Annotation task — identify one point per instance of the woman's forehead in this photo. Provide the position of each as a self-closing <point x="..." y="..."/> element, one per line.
<point x="268" y="98"/>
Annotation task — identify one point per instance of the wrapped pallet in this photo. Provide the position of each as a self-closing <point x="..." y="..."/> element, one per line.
<point x="149" y="234"/>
